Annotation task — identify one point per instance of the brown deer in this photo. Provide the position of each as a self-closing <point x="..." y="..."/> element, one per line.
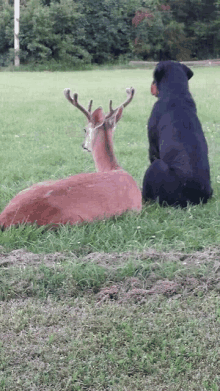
<point x="83" y="197"/>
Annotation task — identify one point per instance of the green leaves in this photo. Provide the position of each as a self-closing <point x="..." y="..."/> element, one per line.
<point x="75" y="33"/>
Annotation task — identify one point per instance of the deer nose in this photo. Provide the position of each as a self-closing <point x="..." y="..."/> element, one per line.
<point x="84" y="147"/>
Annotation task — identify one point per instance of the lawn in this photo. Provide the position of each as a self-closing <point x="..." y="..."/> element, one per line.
<point x="41" y="136"/>
<point x="130" y="303"/>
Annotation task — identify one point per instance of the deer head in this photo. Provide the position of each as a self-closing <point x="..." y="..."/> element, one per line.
<point x="98" y="120"/>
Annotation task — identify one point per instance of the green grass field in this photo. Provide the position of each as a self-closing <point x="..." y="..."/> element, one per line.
<point x="41" y="136"/>
<point x="130" y="303"/>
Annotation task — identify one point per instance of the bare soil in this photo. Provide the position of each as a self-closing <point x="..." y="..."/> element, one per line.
<point x="133" y="289"/>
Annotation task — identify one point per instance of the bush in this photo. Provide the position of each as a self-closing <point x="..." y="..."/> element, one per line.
<point x="76" y="33"/>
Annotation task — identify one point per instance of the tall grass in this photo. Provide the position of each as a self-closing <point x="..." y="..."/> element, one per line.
<point x="41" y="136"/>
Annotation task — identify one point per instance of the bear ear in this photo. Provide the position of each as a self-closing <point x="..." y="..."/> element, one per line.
<point x="159" y="73"/>
<point x="187" y="71"/>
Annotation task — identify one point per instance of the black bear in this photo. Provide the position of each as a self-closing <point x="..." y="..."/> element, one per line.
<point x="179" y="172"/>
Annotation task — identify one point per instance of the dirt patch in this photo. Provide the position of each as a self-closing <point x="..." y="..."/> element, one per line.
<point x="199" y="257"/>
<point x="123" y="293"/>
<point x="132" y="290"/>
<point x="195" y="273"/>
<point x="22" y="257"/>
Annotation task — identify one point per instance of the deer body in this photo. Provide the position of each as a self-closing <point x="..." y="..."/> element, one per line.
<point x="83" y="197"/>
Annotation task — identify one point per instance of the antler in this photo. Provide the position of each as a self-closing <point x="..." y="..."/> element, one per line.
<point x="75" y="103"/>
<point x="130" y="94"/>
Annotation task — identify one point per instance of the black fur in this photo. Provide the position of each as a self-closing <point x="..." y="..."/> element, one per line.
<point x="179" y="170"/>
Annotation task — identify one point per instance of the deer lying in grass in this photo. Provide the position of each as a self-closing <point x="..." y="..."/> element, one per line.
<point x="83" y="197"/>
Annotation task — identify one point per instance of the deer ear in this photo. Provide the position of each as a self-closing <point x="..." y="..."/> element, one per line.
<point x="119" y="114"/>
<point x="113" y="118"/>
<point x="98" y="116"/>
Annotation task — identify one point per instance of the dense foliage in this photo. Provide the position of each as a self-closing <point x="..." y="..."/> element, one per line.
<point x="78" y="32"/>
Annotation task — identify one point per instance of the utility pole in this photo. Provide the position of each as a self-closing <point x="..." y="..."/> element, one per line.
<point x="16" y="31"/>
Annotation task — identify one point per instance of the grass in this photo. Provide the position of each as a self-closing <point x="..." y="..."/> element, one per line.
<point x="184" y="230"/>
<point x="130" y="303"/>
<point x="41" y="137"/>
<point x="113" y="347"/>
<point x="135" y="321"/>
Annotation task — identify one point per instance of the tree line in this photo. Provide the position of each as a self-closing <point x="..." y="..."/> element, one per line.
<point x="80" y="32"/>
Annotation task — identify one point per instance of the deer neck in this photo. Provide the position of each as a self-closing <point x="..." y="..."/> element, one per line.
<point x="103" y="152"/>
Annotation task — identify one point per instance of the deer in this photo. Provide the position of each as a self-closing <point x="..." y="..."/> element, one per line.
<point x="84" y="197"/>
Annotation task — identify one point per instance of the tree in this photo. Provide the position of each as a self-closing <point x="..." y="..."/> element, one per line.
<point x="76" y="32"/>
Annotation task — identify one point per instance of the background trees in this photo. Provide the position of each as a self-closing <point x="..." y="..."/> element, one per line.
<point x="78" y="32"/>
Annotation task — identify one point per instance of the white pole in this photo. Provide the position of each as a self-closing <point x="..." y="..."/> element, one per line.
<point x="16" y="31"/>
